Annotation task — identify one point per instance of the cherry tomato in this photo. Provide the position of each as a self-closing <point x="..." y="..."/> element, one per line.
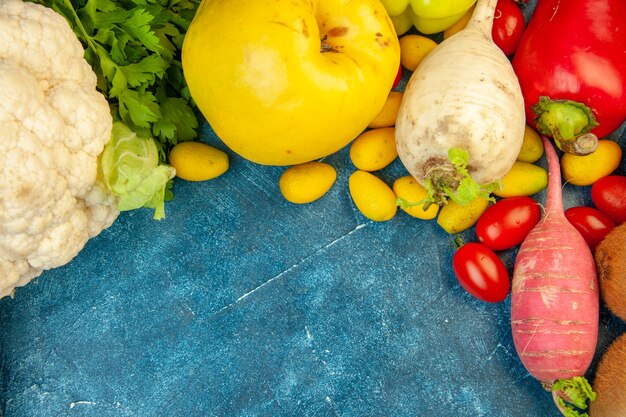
<point x="398" y="77"/>
<point x="609" y="196"/>
<point x="592" y="224"/>
<point x="507" y="223"/>
<point x="481" y="272"/>
<point x="508" y="26"/>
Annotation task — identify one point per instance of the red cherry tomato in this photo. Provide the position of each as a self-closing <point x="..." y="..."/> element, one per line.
<point x="592" y="224"/>
<point x="507" y="223"/>
<point x="481" y="272"/>
<point x="609" y="196"/>
<point x="508" y="26"/>
<point x="398" y="77"/>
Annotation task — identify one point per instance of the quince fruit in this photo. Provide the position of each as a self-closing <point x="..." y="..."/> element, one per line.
<point x="284" y="82"/>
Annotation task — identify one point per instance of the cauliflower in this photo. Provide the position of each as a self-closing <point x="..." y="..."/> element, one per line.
<point x="53" y="127"/>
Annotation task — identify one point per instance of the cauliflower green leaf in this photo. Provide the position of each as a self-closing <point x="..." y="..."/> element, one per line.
<point x="131" y="171"/>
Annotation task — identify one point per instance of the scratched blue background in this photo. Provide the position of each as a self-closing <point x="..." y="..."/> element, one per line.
<point x="242" y="304"/>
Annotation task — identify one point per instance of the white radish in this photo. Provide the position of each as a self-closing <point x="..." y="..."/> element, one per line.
<point x="463" y="96"/>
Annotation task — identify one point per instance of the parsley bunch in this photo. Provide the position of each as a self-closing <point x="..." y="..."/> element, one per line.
<point x="134" y="48"/>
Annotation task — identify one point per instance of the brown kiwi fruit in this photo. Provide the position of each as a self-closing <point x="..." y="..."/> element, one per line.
<point x="610" y="257"/>
<point x="610" y="382"/>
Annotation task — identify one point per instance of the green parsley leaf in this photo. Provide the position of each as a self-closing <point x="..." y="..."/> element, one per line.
<point x="138" y="108"/>
<point x="138" y="25"/>
<point x="144" y="72"/>
<point x="180" y="114"/>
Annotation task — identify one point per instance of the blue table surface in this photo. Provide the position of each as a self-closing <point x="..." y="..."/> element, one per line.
<point x="242" y="304"/>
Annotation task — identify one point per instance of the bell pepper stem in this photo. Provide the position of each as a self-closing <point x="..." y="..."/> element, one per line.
<point x="582" y="145"/>
<point x="569" y="123"/>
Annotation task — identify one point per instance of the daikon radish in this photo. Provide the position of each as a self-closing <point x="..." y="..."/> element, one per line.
<point x="465" y="97"/>
<point x="555" y="302"/>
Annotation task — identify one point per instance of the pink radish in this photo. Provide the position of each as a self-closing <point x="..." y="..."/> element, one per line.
<point x="555" y="301"/>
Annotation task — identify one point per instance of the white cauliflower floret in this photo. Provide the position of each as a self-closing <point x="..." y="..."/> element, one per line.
<point x="53" y="126"/>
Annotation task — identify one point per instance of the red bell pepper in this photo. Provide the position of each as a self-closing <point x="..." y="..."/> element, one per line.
<point x="571" y="65"/>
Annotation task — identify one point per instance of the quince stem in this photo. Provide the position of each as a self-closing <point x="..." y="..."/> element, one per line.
<point x="325" y="47"/>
